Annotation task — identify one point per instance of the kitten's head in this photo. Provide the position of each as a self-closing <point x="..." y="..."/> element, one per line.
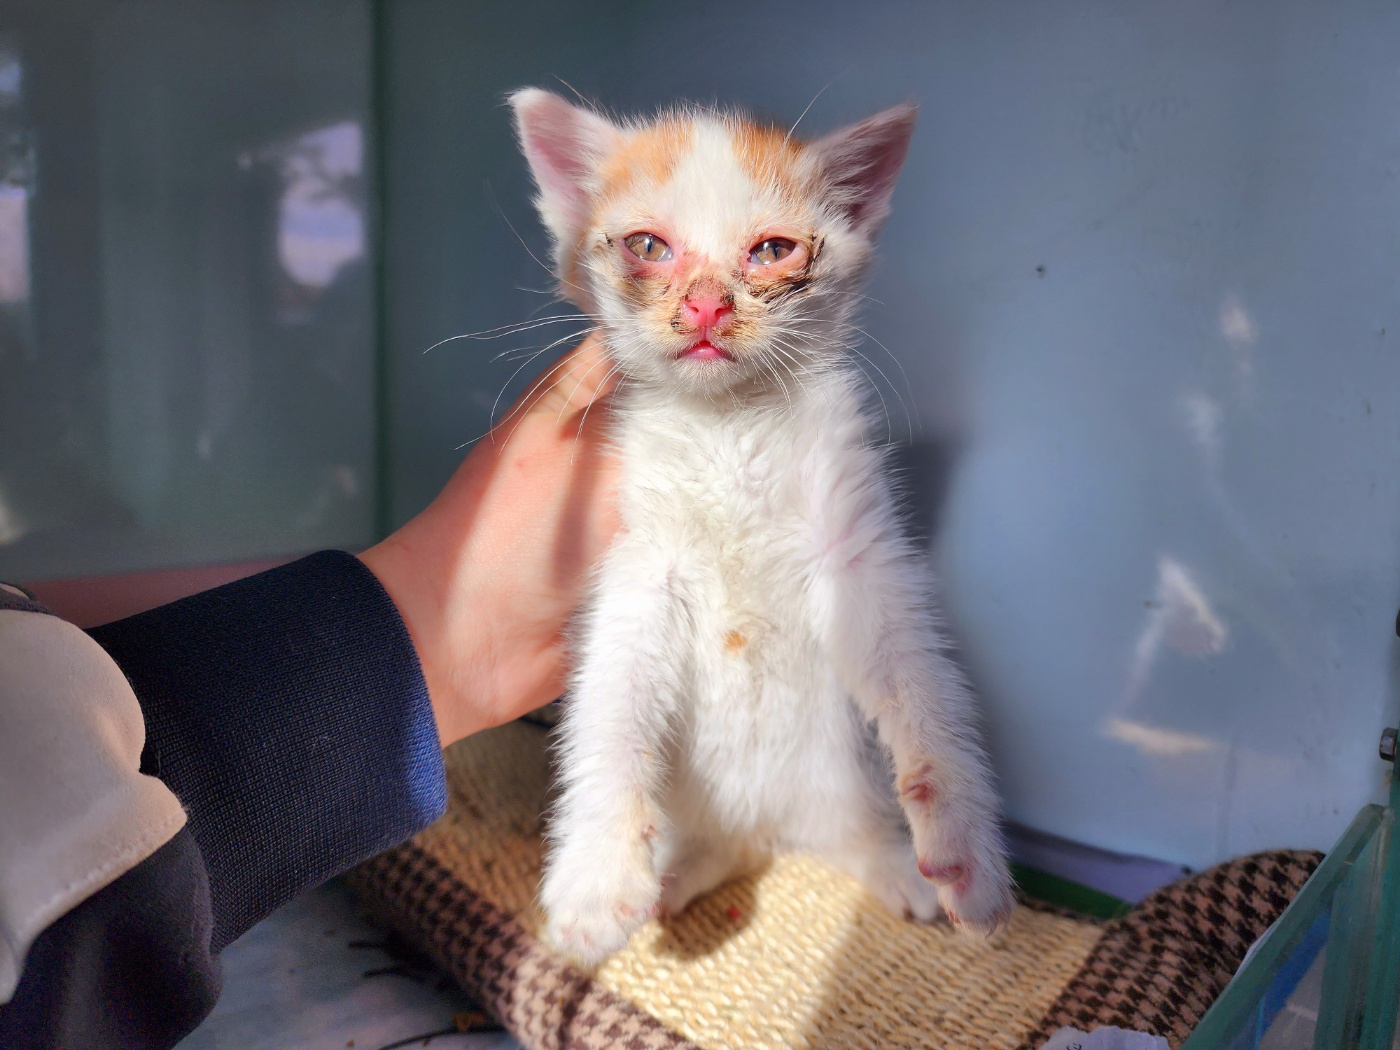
<point x="719" y="253"/>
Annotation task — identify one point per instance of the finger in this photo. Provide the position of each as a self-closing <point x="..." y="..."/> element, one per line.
<point x="573" y="382"/>
<point x="587" y="377"/>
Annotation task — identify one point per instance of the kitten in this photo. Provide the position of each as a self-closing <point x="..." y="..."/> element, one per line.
<point x="759" y="643"/>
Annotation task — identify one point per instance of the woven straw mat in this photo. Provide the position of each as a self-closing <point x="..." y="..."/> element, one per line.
<point x="794" y="956"/>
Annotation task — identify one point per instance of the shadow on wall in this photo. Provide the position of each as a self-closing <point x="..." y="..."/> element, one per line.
<point x="924" y="472"/>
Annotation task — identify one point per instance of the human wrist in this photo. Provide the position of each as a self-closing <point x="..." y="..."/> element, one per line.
<point x="417" y="597"/>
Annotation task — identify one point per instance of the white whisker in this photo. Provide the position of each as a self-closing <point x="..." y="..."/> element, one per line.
<point x="578" y="434"/>
<point x="492" y="193"/>
<point x="542" y="350"/>
<point x="518" y="328"/>
<point x="806" y="108"/>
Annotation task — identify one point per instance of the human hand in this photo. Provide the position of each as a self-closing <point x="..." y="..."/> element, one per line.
<point x="488" y="575"/>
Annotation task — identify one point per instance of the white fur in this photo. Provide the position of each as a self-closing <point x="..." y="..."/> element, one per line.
<point x="757" y="665"/>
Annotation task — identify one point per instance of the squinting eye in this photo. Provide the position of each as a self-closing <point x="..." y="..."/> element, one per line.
<point x="774" y="249"/>
<point x="648" y="247"/>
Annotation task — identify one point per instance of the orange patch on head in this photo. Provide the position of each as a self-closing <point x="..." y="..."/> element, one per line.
<point x="650" y="154"/>
<point x="768" y="155"/>
<point x="734" y="641"/>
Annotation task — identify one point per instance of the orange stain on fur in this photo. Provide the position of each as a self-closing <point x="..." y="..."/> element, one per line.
<point x="735" y="641"/>
<point x="917" y="786"/>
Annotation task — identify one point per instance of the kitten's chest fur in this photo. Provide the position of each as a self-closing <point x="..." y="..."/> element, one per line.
<point x="740" y="506"/>
<point x="735" y="501"/>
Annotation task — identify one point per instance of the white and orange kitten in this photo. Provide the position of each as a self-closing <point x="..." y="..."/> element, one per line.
<point x="758" y="666"/>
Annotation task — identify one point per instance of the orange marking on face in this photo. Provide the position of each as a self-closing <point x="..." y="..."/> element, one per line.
<point x="734" y="641"/>
<point x="649" y="155"/>
<point x="768" y="156"/>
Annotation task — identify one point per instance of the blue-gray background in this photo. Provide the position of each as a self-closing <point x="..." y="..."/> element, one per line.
<point x="1141" y="276"/>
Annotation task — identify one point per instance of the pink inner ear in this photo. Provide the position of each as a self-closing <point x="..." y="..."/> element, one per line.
<point x="563" y="144"/>
<point x="863" y="161"/>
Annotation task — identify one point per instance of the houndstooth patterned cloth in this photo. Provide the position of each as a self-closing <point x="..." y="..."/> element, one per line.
<point x="544" y="1001"/>
<point x="1159" y="968"/>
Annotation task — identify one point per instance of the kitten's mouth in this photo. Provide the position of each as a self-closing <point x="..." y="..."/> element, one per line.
<point x="704" y="350"/>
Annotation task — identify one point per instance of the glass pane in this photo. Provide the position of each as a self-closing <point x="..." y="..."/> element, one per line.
<point x="186" y="318"/>
<point x="1325" y="977"/>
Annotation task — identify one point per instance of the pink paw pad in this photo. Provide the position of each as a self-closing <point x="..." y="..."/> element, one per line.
<point x="953" y="875"/>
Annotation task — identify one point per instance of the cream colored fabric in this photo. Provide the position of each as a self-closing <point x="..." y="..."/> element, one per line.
<point x="795" y="956"/>
<point x="75" y="812"/>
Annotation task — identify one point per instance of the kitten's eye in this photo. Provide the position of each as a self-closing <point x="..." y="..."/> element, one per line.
<point x="774" y="249"/>
<point x="648" y="247"/>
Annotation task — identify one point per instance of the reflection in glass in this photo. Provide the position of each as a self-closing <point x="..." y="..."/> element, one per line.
<point x="16" y="170"/>
<point x="321" y="223"/>
<point x="186" y="312"/>
<point x="14" y="245"/>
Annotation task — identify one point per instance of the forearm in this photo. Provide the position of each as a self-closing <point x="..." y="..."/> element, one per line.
<point x="289" y="715"/>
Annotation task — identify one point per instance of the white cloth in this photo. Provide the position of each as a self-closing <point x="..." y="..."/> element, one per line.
<point x="1104" y="1039"/>
<point x="75" y="810"/>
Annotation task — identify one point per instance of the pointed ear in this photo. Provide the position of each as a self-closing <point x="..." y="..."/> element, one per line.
<point x="563" y="144"/>
<point x="862" y="163"/>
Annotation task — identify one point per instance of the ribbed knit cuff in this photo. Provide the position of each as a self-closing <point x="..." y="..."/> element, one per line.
<point x="288" y="713"/>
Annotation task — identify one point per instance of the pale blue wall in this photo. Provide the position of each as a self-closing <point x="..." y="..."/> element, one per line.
<point x="1142" y="275"/>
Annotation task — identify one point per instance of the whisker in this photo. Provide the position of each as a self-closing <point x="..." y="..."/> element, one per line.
<point x="531" y="393"/>
<point x="908" y="387"/>
<point x="908" y="419"/>
<point x="807" y="107"/>
<point x="544" y="349"/>
<point x="553" y="298"/>
<point x="492" y="193"/>
<point x="799" y="369"/>
<point x="559" y="416"/>
<point x="774" y="372"/>
<point x="578" y="434"/>
<point x="516" y="328"/>
<point x="852" y="347"/>
<point x="517" y="350"/>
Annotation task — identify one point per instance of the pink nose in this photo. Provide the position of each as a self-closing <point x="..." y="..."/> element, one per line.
<point x="705" y="313"/>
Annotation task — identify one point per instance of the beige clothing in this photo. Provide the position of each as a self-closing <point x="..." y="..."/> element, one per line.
<point x="75" y="811"/>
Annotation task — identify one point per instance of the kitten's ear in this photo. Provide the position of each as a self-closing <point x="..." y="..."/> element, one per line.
<point x="862" y="163"/>
<point x="563" y="144"/>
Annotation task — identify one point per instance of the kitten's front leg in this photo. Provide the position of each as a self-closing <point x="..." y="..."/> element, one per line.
<point x="600" y="882"/>
<point x="868" y="600"/>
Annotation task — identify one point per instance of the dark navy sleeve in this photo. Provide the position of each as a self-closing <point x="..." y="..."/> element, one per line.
<point x="289" y="715"/>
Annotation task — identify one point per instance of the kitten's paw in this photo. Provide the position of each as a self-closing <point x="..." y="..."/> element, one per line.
<point x="699" y="873"/>
<point x="898" y="884"/>
<point x="678" y="889"/>
<point x="959" y="850"/>
<point x="591" y="912"/>
<point x="975" y="895"/>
